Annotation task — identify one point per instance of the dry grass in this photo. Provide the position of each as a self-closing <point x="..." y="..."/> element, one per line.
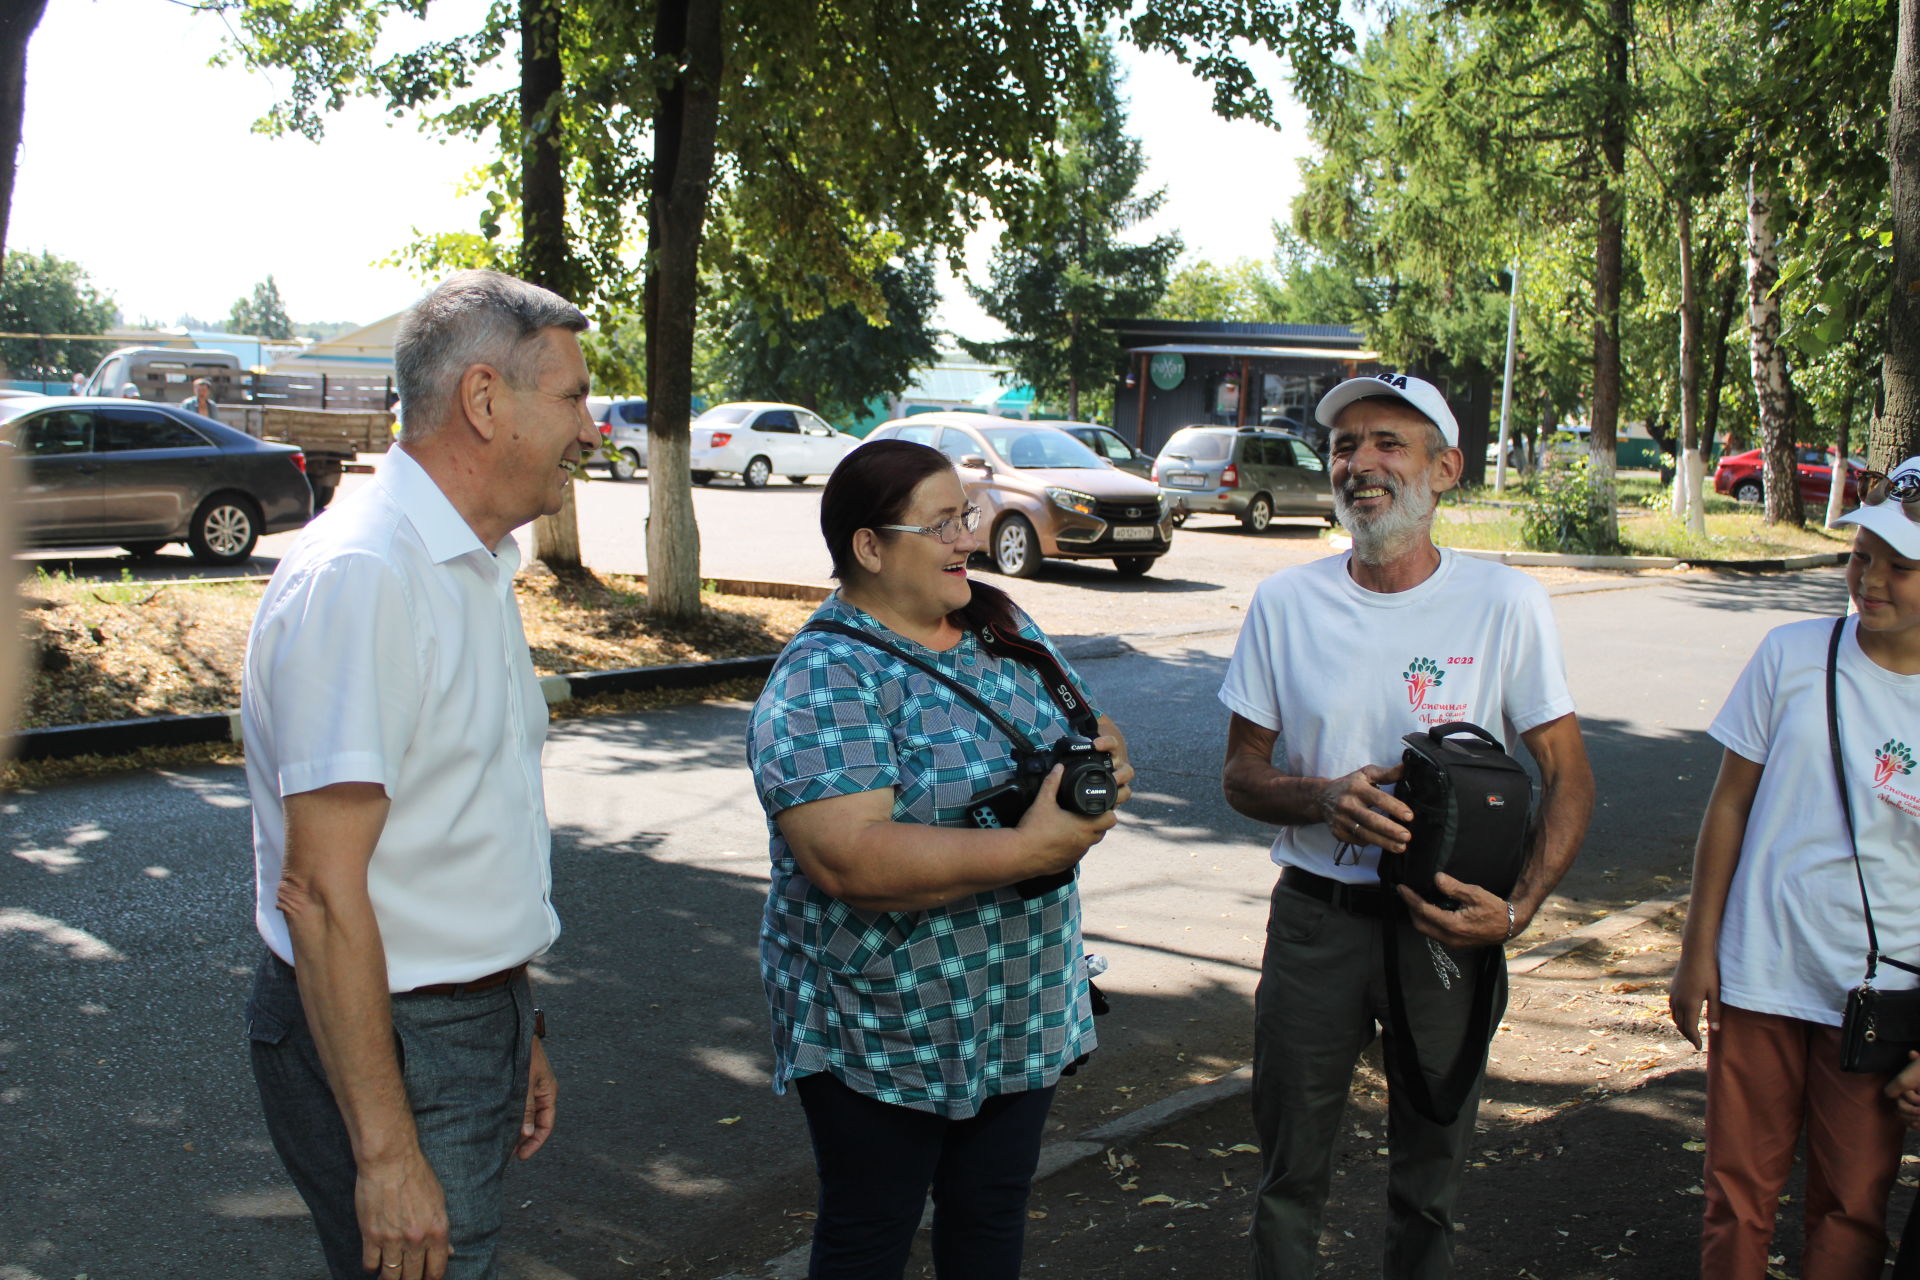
<point x="120" y="650"/>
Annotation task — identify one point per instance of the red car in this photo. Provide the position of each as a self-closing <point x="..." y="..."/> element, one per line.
<point x="1739" y="475"/>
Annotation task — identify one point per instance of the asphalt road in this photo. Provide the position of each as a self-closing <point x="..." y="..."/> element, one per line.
<point x="128" y="1130"/>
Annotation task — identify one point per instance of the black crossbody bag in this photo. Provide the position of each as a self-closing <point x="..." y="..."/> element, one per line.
<point x="1879" y="1027"/>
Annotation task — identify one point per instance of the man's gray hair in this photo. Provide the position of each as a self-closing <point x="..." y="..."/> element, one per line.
<point x="471" y="317"/>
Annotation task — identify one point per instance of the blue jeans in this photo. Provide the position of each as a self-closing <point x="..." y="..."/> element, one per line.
<point x="877" y="1161"/>
<point x="463" y="1059"/>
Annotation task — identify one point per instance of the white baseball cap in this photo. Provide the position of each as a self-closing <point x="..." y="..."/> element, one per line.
<point x="1422" y="395"/>
<point x="1889" y="519"/>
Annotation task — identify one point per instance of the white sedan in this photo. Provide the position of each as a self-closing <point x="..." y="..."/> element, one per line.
<point x="758" y="441"/>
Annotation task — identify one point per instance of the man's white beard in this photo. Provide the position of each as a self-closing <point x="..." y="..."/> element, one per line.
<point x="1384" y="535"/>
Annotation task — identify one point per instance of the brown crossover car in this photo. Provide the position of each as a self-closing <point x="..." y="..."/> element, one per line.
<point x="1043" y="493"/>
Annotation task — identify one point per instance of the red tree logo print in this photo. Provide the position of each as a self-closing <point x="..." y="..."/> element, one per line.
<point x="1421" y="675"/>
<point x="1892" y="757"/>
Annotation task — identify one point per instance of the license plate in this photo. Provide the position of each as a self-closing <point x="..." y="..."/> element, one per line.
<point x="1188" y="479"/>
<point x="1133" y="533"/>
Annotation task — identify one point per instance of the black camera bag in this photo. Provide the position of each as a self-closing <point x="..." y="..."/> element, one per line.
<point x="1472" y="811"/>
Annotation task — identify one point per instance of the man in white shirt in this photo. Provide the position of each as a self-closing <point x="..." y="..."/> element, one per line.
<point x="393" y="728"/>
<point x="1338" y="660"/>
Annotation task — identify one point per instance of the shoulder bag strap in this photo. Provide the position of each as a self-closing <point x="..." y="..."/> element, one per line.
<point x="1846" y="804"/>
<point x="1018" y="739"/>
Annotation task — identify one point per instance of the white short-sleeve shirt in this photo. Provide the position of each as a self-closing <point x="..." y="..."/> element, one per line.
<point x="388" y="648"/>
<point x="1793" y="939"/>
<point x="1343" y="673"/>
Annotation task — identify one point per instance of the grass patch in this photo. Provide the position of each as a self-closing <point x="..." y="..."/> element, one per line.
<point x="1736" y="534"/>
<point x="119" y="650"/>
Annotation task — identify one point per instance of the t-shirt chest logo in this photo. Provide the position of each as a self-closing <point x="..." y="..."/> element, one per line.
<point x="1426" y="693"/>
<point x="1892" y="766"/>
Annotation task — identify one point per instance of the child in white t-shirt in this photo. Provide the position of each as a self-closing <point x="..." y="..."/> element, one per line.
<point x="1775" y="934"/>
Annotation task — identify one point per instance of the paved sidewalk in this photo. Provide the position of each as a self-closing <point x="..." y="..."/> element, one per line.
<point x="1586" y="1167"/>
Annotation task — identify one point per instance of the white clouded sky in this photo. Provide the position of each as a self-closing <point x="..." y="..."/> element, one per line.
<point x="139" y="162"/>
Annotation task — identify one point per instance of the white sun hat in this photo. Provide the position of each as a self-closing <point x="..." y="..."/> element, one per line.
<point x="1422" y="395"/>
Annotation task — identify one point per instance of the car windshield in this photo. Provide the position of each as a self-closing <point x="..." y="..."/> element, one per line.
<point x="1031" y="448"/>
<point x="722" y="415"/>
<point x="1201" y="446"/>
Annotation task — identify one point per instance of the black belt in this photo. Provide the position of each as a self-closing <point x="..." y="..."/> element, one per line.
<point x="1354" y="899"/>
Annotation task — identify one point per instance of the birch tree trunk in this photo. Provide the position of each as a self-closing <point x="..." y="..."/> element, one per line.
<point x="686" y="38"/>
<point x="1837" y="485"/>
<point x="1895" y="434"/>
<point x="1771" y="391"/>
<point x="1689" y="466"/>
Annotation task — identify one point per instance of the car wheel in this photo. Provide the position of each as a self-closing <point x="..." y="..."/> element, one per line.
<point x="1133" y="566"/>
<point x="224" y="529"/>
<point x="1748" y="490"/>
<point x="701" y="477"/>
<point x="1259" y="514"/>
<point x="796" y="479"/>
<point x="322" y="495"/>
<point x="142" y="550"/>
<point x="1179" y="519"/>
<point x="1016" y="548"/>
<point x="624" y="464"/>
<point x="758" y="472"/>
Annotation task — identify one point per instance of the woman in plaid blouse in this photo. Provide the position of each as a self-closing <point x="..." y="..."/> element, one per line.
<point x="923" y="1009"/>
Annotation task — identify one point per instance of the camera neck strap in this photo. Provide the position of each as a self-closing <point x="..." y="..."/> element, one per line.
<point x="1846" y="803"/>
<point x="1019" y="739"/>
<point x="1059" y="687"/>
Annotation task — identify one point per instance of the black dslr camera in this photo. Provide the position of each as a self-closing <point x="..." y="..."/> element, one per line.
<point x="1087" y="787"/>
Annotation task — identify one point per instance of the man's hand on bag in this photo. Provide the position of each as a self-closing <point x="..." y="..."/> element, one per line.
<point x="1480" y="919"/>
<point x="1359" y="811"/>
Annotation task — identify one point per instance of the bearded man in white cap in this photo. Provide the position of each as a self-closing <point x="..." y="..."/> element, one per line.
<point x="1337" y="660"/>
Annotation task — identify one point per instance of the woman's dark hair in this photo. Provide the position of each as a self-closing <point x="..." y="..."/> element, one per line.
<point x="871" y="487"/>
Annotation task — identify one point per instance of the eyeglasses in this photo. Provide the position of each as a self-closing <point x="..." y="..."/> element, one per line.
<point x="1877" y="486"/>
<point x="948" y="530"/>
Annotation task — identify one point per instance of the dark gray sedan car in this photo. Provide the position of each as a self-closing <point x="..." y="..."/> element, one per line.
<point x="103" y="471"/>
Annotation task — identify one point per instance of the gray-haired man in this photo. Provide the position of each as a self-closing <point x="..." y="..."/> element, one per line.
<point x="393" y="728"/>
<point x="1336" y="661"/>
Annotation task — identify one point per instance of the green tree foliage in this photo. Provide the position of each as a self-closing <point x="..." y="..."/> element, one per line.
<point x="616" y="352"/>
<point x="262" y="313"/>
<point x="44" y="294"/>
<point x="834" y="134"/>
<point x="1063" y="264"/>
<point x="1241" y="291"/>
<point x="836" y="361"/>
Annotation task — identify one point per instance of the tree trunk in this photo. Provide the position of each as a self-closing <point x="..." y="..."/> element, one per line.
<point x="1771" y="392"/>
<point x="1689" y="505"/>
<point x="1895" y="435"/>
<point x="17" y="21"/>
<point x="1717" y="378"/>
<point x="1609" y="251"/>
<point x="1842" y="431"/>
<point x="543" y="220"/>
<point x="686" y="36"/>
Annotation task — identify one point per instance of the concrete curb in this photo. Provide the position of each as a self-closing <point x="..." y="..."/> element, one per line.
<point x="1540" y="559"/>
<point x="1064" y="1153"/>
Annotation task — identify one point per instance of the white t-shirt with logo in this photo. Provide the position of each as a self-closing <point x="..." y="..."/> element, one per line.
<point x="1343" y="673"/>
<point x="1793" y="940"/>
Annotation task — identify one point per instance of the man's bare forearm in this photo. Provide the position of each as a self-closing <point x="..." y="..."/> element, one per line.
<point x="1566" y="807"/>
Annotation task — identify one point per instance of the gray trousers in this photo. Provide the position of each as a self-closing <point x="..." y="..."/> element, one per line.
<point x="1323" y="991"/>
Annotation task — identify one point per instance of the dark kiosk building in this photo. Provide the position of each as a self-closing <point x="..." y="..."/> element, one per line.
<point x="1180" y="373"/>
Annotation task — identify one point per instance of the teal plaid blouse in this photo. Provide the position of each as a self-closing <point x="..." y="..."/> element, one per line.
<point x="941" y="1009"/>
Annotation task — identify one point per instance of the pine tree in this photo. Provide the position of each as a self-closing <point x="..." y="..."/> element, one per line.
<point x="1062" y="266"/>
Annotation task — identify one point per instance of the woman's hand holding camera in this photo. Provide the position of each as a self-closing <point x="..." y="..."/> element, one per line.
<point x="1058" y="837"/>
<point x="1111" y="741"/>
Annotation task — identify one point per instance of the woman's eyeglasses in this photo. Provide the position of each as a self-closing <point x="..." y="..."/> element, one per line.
<point x="948" y="530"/>
<point x="1877" y="486"/>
